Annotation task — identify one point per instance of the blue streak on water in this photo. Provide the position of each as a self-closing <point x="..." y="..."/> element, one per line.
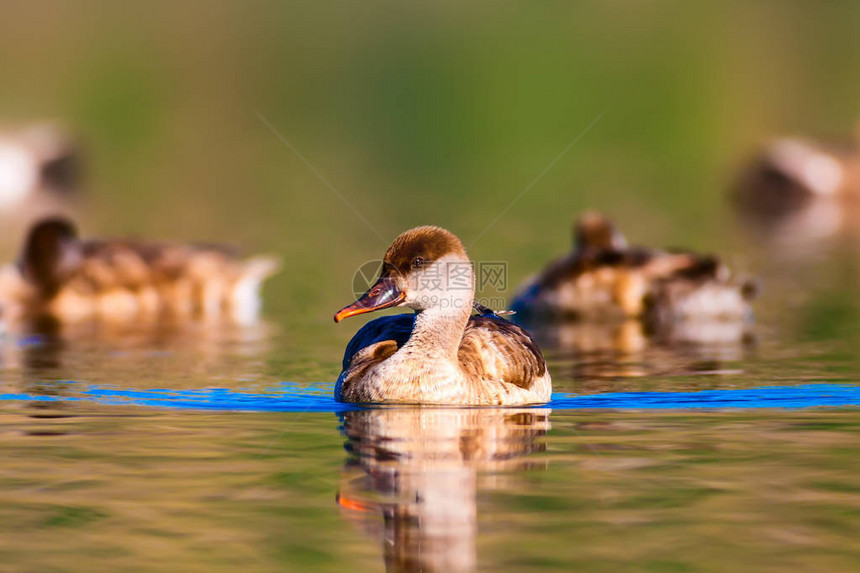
<point x="291" y="397"/>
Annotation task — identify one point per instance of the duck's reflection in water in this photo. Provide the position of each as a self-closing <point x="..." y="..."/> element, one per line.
<point x="597" y="351"/>
<point x="412" y="475"/>
<point x="806" y="229"/>
<point x="143" y="352"/>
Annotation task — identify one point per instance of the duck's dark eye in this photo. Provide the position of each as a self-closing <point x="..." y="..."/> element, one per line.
<point x="417" y="263"/>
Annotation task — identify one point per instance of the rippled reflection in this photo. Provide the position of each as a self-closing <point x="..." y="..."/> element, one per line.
<point x="805" y="229"/>
<point x="144" y="351"/>
<point x="412" y="475"/>
<point x="588" y="350"/>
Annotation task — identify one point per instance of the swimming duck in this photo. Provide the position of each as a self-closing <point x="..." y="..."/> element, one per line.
<point x="604" y="278"/>
<point x="33" y="158"/>
<point x="441" y="354"/>
<point x="62" y="276"/>
<point x="790" y="171"/>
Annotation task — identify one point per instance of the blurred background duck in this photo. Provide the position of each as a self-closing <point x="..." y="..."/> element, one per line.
<point x="441" y="354"/>
<point x="40" y="161"/>
<point x="64" y="277"/>
<point x="799" y="193"/>
<point x="603" y="279"/>
<point x="790" y="171"/>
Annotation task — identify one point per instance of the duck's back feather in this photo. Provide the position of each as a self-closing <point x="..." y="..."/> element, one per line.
<point x="495" y="349"/>
<point x="636" y="259"/>
<point x="598" y="282"/>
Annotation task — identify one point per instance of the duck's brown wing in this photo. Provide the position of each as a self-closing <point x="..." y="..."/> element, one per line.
<point x="495" y="349"/>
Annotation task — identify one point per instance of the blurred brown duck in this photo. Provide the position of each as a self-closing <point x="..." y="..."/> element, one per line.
<point x="441" y="354"/>
<point x="62" y="276"/>
<point x="789" y="171"/>
<point x="604" y="278"/>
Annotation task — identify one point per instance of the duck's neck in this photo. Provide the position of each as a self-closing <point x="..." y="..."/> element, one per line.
<point x="443" y="312"/>
<point x="437" y="332"/>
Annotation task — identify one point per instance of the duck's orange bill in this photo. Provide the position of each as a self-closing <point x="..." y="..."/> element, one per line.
<point x="383" y="294"/>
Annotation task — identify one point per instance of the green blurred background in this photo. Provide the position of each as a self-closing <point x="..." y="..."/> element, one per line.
<point x="419" y="113"/>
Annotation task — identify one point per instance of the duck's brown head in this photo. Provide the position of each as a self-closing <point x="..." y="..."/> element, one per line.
<point x="595" y="230"/>
<point x="425" y="267"/>
<point x="50" y="255"/>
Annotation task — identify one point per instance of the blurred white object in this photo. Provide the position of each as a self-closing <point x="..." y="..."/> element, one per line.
<point x="19" y="174"/>
<point x="36" y="158"/>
